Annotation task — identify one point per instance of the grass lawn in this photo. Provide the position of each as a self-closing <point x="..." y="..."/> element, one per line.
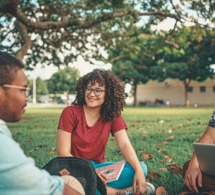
<point x="162" y="138"/>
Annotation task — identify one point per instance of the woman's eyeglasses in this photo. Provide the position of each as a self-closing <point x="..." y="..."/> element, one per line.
<point x="25" y="89"/>
<point x="96" y="91"/>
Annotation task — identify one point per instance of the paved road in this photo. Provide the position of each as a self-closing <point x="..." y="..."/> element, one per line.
<point x="45" y="105"/>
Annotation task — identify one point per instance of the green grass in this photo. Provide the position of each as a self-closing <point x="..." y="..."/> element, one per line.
<point x="148" y="127"/>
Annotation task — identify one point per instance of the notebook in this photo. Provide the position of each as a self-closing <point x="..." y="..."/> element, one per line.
<point x="205" y="154"/>
<point x="113" y="171"/>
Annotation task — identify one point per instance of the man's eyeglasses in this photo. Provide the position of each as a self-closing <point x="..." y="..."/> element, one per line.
<point x="25" y="89"/>
<point x="96" y="91"/>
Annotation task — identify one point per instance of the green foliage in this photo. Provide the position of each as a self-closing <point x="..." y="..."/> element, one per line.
<point x="147" y="129"/>
<point x="192" y="59"/>
<point x="137" y="57"/>
<point x="41" y="88"/>
<point x="187" y="56"/>
<point x="64" y="30"/>
<point x="133" y="58"/>
<point x="63" y="81"/>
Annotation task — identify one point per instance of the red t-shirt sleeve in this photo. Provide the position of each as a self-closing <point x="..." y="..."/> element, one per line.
<point x="118" y="124"/>
<point x="67" y="119"/>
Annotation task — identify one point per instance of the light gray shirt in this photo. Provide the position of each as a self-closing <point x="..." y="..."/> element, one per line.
<point x="18" y="173"/>
<point x="212" y="120"/>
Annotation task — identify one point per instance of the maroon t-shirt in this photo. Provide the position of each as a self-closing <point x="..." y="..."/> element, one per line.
<point x="88" y="142"/>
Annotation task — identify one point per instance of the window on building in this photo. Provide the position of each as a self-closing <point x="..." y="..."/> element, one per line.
<point x="190" y="89"/>
<point x="202" y="89"/>
<point x="213" y="88"/>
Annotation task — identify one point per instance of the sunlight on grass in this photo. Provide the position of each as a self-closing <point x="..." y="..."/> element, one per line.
<point x="163" y="135"/>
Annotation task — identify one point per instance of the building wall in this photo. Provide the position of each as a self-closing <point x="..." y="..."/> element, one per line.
<point x="173" y="90"/>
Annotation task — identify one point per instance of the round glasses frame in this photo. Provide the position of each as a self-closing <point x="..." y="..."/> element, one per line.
<point x="96" y="91"/>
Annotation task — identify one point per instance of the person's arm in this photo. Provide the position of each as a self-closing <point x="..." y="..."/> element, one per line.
<point x="130" y="156"/>
<point x="19" y="173"/>
<point x="63" y="143"/>
<point x="193" y="172"/>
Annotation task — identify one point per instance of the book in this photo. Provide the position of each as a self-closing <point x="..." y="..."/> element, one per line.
<point x="113" y="171"/>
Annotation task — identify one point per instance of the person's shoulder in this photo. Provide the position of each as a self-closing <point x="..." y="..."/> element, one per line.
<point x="73" y="109"/>
<point x="118" y="118"/>
<point x="10" y="149"/>
<point x="4" y="129"/>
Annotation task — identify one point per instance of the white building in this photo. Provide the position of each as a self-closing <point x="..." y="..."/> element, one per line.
<point x="199" y="93"/>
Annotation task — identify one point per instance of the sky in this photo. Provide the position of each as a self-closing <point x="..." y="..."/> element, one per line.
<point x="83" y="66"/>
<point x="46" y="72"/>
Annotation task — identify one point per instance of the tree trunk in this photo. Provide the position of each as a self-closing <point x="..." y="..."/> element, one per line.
<point x="186" y="86"/>
<point x="68" y="103"/>
<point x="135" y="93"/>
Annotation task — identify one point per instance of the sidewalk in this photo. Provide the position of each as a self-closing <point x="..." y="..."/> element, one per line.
<point x="45" y="105"/>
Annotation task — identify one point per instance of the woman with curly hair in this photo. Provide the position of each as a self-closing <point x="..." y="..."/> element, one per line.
<point x="84" y="129"/>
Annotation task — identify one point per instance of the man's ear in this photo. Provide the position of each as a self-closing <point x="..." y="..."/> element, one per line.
<point x="2" y="94"/>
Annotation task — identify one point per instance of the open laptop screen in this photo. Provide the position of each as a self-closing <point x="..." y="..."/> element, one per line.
<point x="206" y="156"/>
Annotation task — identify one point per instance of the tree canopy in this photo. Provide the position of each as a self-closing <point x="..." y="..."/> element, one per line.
<point x="132" y="62"/>
<point x="63" y="81"/>
<point x="192" y="59"/>
<point x="147" y="57"/>
<point x="58" y="31"/>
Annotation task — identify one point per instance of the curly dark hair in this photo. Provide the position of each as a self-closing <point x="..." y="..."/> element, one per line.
<point x="114" y="92"/>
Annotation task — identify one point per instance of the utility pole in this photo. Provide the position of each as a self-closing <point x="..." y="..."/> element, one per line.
<point x="34" y="91"/>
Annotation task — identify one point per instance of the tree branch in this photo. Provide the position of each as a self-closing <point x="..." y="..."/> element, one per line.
<point x="116" y="58"/>
<point x="171" y="32"/>
<point x="27" y="41"/>
<point x="68" y="22"/>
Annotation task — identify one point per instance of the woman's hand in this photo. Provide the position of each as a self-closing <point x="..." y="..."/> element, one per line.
<point x="103" y="177"/>
<point x="139" y="182"/>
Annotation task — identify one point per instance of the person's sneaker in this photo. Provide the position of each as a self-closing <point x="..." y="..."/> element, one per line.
<point x="150" y="190"/>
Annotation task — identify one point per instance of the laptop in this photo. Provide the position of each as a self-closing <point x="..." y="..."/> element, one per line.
<point x="205" y="154"/>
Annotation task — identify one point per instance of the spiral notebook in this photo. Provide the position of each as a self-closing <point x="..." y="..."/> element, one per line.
<point x="113" y="171"/>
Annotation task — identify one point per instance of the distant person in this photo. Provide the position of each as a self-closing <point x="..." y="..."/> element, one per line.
<point x="84" y="129"/>
<point x="18" y="173"/>
<point x="194" y="179"/>
<point x="167" y="103"/>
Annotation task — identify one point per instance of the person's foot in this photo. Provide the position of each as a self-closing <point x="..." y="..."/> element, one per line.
<point x="150" y="190"/>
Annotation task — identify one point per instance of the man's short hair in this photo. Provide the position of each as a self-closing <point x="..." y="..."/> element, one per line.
<point x="9" y="66"/>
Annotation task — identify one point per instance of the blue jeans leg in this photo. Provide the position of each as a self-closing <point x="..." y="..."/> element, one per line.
<point x="126" y="178"/>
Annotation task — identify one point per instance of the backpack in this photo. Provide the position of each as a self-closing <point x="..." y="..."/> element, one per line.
<point x="81" y="169"/>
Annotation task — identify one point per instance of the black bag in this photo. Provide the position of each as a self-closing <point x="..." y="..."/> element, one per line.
<point x="79" y="168"/>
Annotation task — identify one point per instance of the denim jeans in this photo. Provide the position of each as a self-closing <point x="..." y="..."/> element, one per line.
<point x="126" y="178"/>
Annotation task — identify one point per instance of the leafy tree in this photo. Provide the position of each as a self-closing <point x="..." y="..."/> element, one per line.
<point x="63" y="81"/>
<point x="188" y="57"/>
<point x="133" y="61"/>
<point x="191" y="59"/>
<point x="41" y="88"/>
<point x="64" y="30"/>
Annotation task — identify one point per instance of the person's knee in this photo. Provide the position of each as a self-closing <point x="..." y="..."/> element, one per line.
<point x="144" y="168"/>
<point x="73" y="183"/>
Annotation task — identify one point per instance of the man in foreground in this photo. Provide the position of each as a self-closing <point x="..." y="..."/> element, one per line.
<point x="18" y="173"/>
<point x="194" y="179"/>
